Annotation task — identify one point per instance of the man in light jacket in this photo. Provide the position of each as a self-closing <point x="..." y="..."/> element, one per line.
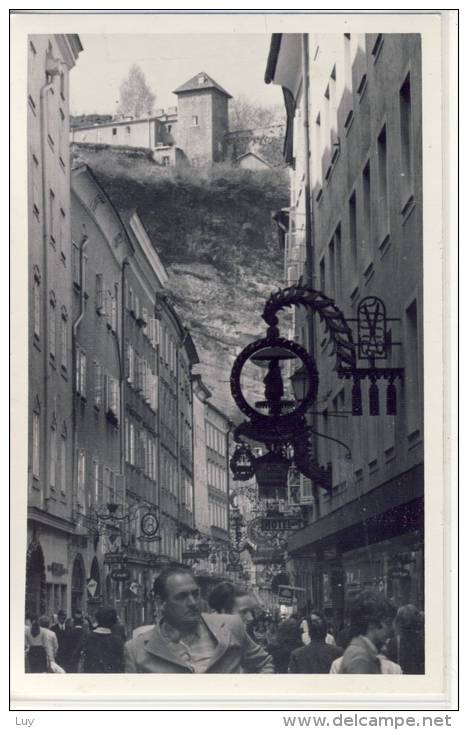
<point x="185" y="640"/>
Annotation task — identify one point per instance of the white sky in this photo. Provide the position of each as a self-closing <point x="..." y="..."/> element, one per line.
<point x="235" y="61"/>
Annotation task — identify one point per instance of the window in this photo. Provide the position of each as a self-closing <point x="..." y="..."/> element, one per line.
<point x="411" y="382"/>
<point x="81" y="372"/>
<point x="353" y="231"/>
<point x="52" y="326"/>
<point x="331" y="267"/>
<point x="63" y="460"/>
<point x="62" y="85"/>
<point x="52" y="217"/>
<point x="37" y="303"/>
<point x="334" y="141"/>
<point x="64" y="338"/>
<point x="97" y="484"/>
<point x="195" y="121"/>
<point x="323" y="285"/>
<point x="97" y="384"/>
<point x="202" y="79"/>
<point x="169" y="128"/>
<point x="81" y="479"/>
<point x="383" y="188"/>
<point x="76" y="265"/>
<point x="132" y="444"/>
<point x="114" y="131"/>
<point x="53" y="456"/>
<point x="348" y="74"/>
<point x="406" y="138"/>
<point x="377" y="46"/>
<point x="99" y="293"/>
<point x="366" y="203"/>
<point x="113" y="310"/>
<point x="36" y="442"/>
<point x="338" y="269"/>
<point x="128" y="130"/>
<point x="112" y="396"/>
<point x="166" y="160"/>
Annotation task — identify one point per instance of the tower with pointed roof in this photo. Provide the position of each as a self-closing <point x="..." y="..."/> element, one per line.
<point x="202" y="122"/>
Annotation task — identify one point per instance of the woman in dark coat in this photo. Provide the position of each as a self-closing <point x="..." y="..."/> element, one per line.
<point x="103" y="651"/>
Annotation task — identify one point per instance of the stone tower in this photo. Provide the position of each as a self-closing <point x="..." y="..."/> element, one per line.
<point x="202" y="119"/>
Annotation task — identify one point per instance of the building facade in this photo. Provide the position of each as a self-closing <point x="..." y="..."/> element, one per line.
<point x="363" y="226"/>
<point x="50" y="526"/>
<point x="100" y="248"/>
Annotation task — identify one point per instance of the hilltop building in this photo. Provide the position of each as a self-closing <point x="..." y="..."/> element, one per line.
<point x="193" y="132"/>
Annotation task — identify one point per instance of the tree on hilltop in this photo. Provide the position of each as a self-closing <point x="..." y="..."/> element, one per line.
<point x="247" y="114"/>
<point x="136" y="97"/>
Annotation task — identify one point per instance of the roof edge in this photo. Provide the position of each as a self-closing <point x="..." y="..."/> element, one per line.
<point x="273" y="54"/>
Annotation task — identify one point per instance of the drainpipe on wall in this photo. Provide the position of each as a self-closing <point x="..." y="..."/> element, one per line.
<point x="309" y="232"/>
<point x="83" y="244"/>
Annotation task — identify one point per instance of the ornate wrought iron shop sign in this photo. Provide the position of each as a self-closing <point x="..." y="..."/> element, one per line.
<point x="279" y="420"/>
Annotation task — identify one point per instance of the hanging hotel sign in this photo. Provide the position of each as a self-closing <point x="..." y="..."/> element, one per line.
<point x="281" y="522"/>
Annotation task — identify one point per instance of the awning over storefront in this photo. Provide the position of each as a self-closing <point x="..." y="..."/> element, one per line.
<point x="406" y="488"/>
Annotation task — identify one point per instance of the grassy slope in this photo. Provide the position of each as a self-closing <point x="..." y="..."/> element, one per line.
<point x="212" y="229"/>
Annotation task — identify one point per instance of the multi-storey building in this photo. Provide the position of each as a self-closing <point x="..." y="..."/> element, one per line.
<point x="133" y="403"/>
<point x="100" y="246"/>
<point x="362" y="229"/>
<point x="50" y="527"/>
<point x="217" y="429"/>
<point x="177" y="355"/>
<point x="194" y="131"/>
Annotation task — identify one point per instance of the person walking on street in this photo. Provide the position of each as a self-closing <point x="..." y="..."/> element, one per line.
<point x="76" y="640"/>
<point x="52" y="641"/>
<point x="103" y="651"/>
<point x="318" y="655"/>
<point x="37" y="648"/>
<point x="371" y="624"/>
<point x="231" y="598"/>
<point x="184" y="640"/>
<point x="288" y="638"/>
<point x="407" y="646"/>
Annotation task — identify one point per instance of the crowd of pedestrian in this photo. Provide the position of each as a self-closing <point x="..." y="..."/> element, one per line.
<point x="230" y="633"/>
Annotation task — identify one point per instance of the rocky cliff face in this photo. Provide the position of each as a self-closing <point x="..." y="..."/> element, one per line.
<point x="213" y="231"/>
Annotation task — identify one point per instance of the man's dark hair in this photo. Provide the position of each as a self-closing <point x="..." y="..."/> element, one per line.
<point x="317" y="626"/>
<point x="223" y="596"/>
<point x="106" y="616"/>
<point x="369" y="608"/>
<point x="78" y="618"/>
<point x="159" y="585"/>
